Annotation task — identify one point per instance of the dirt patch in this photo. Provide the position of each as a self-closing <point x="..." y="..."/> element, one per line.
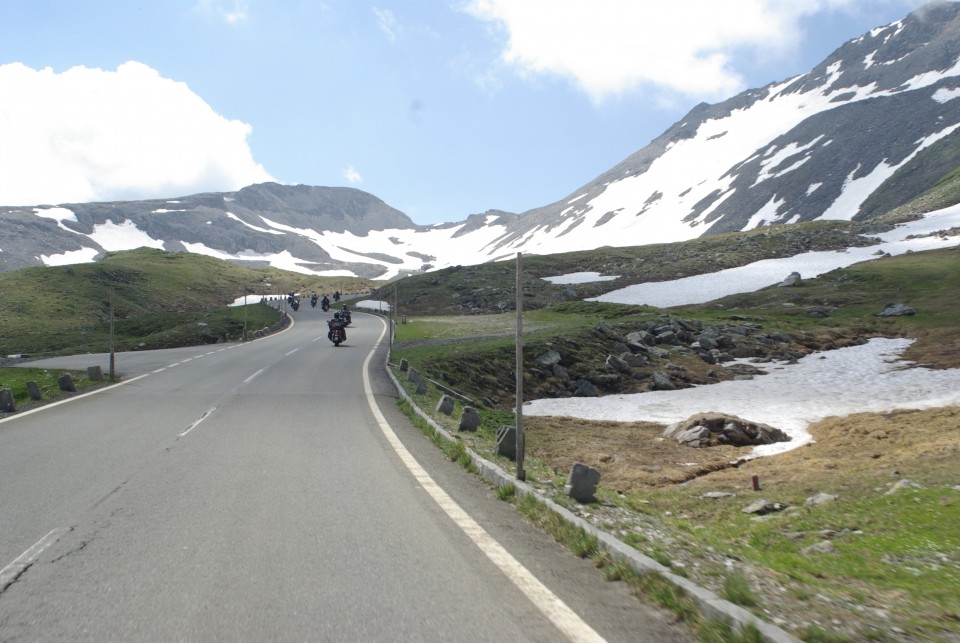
<point x="631" y="457"/>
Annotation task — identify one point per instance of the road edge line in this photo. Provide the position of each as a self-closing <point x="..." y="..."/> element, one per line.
<point x="549" y="604"/>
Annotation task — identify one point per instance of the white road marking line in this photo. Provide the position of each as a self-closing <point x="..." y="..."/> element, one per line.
<point x="549" y="604"/>
<point x="184" y="361"/>
<point x="159" y="370"/>
<point x="172" y="365"/>
<point x="12" y="572"/>
<point x="250" y="379"/>
<point x="291" y="352"/>
<point x="197" y="422"/>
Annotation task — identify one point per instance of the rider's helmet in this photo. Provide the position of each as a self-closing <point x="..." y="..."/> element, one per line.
<point x="336" y="315"/>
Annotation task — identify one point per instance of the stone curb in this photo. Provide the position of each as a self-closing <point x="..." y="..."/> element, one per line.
<point x="712" y="605"/>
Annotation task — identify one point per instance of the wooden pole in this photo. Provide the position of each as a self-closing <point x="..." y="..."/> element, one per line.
<point x="112" y="343"/>
<point x="521" y="474"/>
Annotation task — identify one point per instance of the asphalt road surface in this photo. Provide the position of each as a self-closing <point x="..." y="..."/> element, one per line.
<point x="273" y="491"/>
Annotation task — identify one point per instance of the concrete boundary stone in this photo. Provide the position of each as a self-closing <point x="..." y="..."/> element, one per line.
<point x="711" y="604"/>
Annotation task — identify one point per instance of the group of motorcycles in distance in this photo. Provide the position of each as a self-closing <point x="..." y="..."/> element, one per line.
<point x="341" y="319"/>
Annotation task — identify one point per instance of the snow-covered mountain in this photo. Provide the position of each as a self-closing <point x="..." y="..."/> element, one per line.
<point x="868" y="129"/>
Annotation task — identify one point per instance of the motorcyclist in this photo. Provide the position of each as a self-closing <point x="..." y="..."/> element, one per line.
<point x="325" y="303"/>
<point x="337" y="322"/>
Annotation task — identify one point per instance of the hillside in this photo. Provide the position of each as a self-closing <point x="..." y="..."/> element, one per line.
<point x="160" y="300"/>
<point x="860" y="546"/>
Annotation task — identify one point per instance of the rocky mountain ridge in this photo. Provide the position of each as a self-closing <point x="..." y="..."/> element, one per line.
<point x="870" y="128"/>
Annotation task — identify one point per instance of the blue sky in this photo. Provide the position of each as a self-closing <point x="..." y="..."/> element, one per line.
<point x="442" y="108"/>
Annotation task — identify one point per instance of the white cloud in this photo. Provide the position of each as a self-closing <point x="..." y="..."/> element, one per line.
<point x="351" y="175"/>
<point x="388" y="24"/>
<point x="232" y="12"/>
<point x="95" y="135"/>
<point x="685" y="47"/>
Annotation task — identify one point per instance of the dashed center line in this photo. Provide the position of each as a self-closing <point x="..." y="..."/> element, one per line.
<point x="12" y="572"/>
<point x="197" y="422"/>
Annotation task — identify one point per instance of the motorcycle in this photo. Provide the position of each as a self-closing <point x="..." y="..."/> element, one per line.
<point x="336" y="335"/>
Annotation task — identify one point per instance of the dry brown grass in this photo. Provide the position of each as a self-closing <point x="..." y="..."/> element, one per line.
<point x="847" y="451"/>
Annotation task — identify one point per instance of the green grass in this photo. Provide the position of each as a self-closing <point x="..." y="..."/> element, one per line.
<point x="16" y="380"/>
<point x="159" y="301"/>
<point x="897" y="550"/>
<point x="737" y="590"/>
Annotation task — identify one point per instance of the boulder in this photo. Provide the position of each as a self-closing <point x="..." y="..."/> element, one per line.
<point x="896" y="310"/>
<point x="95" y="373"/>
<point x="585" y="388"/>
<point x="792" y="281"/>
<point x="560" y="373"/>
<point x="662" y="382"/>
<point x="617" y="364"/>
<point x="549" y="358"/>
<point x="640" y="340"/>
<point x="713" y="429"/>
<point x="634" y="360"/>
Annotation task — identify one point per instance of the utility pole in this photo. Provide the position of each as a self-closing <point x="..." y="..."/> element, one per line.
<point x="521" y="474"/>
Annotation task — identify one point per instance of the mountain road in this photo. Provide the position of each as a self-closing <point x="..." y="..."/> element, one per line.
<point x="272" y="490"/>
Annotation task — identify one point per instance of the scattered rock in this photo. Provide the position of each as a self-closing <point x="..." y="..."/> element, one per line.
<point x="822" y="547"/>
<point x="717" y="495"/>
<point x="617" y="364"/>
<point x="820" y="499"/>
<point x="896" y="310"/>
<point x="792" y="281"/>
<point x="762" y="507"/>
<point x="585" y="389"/>
<point x="549" y="358"/>
<point x="662" y="382"/>
<point x="902" y="484"/>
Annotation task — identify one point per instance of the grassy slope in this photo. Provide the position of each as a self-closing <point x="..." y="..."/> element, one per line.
<point x="159" y="299"/>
